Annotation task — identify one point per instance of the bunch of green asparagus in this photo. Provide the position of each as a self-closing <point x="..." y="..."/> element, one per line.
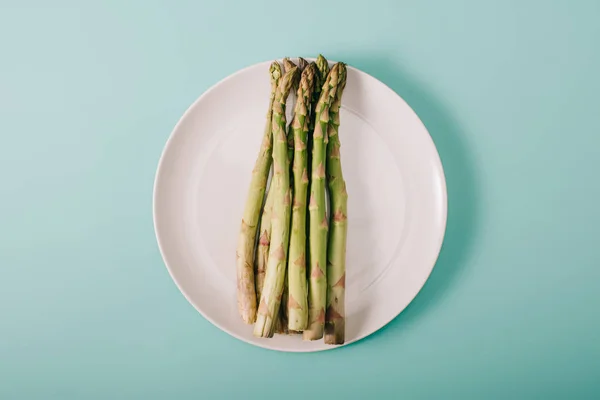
<point x="293" y="279"/>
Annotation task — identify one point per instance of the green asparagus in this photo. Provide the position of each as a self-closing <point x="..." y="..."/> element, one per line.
<point x="336" y="249"/>
<point x="322" y="72"/>
<point x="280" y="218"/>
<point x="302" y="64"/>
<point x="297" y="305"/>
<point x="265" y="222"/>
<point x="264" y="240"/>
<point x="281" y="324"/>
<point x="246" y="292"/>
<point x="317" y="292"/>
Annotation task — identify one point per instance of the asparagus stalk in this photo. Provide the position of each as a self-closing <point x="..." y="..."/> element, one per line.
<point x="336" y="249"/>
<point x="264" y="240"/>
<point x="265" y="228"/>
<point x="297" y="305"/>
<point x="302" y="64"/>
<point x="246" y="292"/>
<point x="317" y="292"/>
<point x="323" y="70"/>
<point x="281" y="324"/>
<point x="280" y="218"/>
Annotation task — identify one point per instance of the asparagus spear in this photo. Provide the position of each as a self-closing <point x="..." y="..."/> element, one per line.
<point x="280" y="218"/>
<point x="317" y="292"/>
<point x="323" y="70"/>
<point x="302" y="64"/>
<point x="246" y="293"/>
<point x="264" y="241"/>
<point x="281" y="324"/>
<point x="265" y="226"/>
<point x="262" y="251"/>
<point x="289" y="64"/>
<point x="336" y="249"/>
<point x="323" y="67"/>
<point x="297" y="305"/>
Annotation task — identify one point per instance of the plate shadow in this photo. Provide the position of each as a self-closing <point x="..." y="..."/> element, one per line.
<point x="461" y="180"/>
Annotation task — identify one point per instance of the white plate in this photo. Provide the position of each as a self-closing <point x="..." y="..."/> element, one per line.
<point x="397" y="201"/>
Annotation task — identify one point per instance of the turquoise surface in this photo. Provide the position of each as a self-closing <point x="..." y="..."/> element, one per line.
<point x="89" y="92"/>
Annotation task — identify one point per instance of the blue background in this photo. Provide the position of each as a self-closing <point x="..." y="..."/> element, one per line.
<point x="89" y="92"/>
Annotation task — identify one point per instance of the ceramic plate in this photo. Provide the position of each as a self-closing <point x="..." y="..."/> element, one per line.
<point x="396" y="208"/>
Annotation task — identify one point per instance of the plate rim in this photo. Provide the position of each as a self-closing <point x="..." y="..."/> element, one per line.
<point x="439" y="243"/>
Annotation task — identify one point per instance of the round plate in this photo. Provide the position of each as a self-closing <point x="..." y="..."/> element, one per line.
<point x="396" y="207"/>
